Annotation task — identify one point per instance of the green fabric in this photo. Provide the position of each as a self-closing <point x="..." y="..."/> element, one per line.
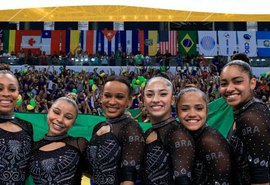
<point x="187" y="41"/>
<point x="220" y="116"/>
<point x="136" y="113"/>
<point x="83" y="126"/>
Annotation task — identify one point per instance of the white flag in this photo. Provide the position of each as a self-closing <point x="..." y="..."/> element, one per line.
<point x="227" y="42"/>
<point x="46" y="41"/>
<point x="31" y="42"/>
<point x="247" y="43"/>
<point x="207" y="43"/>
<point x="129" y="41"/>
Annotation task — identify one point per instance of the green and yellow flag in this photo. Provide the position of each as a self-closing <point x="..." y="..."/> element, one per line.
<point x="9" y="40"/>
<point x="187" y="41"/>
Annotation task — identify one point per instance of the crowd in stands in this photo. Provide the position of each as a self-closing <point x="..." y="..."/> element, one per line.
<point x="79" y="57"/>
<point x="39" y="88"/>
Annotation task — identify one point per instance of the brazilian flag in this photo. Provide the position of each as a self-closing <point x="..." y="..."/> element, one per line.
<point x="187" y="41"/>
<point x="220" y="117"/>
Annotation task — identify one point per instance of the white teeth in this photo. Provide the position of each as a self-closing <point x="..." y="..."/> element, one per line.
<point x="112" y="108"/>
<point x="58" y="126"/>
<point x="232" y="96"/>
<point x="156" y="106"/>
<point x="5" y="101"/>
<point x="192" y="121"/>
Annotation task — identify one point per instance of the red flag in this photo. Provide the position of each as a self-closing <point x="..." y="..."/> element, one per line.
<point x="90" y="36"/>
<point x="28" y="40"/>
<point x="109" y="34"/>
<point x="58" y="42"/>
<point x="141" y="41"/>
<point x="168" y="41"/>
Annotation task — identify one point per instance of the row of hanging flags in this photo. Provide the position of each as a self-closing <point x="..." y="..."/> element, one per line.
<point x="148" y="42"/>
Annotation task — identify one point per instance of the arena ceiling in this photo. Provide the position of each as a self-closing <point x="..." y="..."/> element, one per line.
<point x="139" y="10"/>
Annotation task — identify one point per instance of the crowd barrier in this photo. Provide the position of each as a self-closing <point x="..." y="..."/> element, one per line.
<point x="257" y="71"/>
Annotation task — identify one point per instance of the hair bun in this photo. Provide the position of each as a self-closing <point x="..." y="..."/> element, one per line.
<point x="4" y="67"/>
<point x="72" y="96"/>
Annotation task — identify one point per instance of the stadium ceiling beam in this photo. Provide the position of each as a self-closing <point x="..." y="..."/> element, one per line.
<point x="105" y="13"/>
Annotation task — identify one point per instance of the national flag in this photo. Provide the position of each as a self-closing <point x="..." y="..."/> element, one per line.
<point x="98" y="43"/>
<point x="28" y="40"/>
<point x="88" y="39"/>
<point x="163" y="41"/>
<point x="143" y="42"/>
<point x="108" y="41"/>
<point x="58" y="41"/>
<point x="220" y="116"/>
<point x="123" y="41"/>
<point x="135" y="41"/>
<point x="9" y="37"/>
<point x="263" y="43"/>
<point x="152" y="48"/>
<point x="74" y="40"/>
<point x="207" y="43"/>
<point x="46" y="41"/>
<point x="227" y="42"/>
<point x="148" y="42"/>
<point x="109" y="34"/>
<point x="129" y="40"/>
<point x="67" y="39"/>
<point x="168" y="41"/>
<point x="118" y="41"/>
<point x="187" y="41"/>
<point x="247" y="43"/>
<point x="173" y="42"/>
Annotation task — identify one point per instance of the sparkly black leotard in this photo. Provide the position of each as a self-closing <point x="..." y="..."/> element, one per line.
<point x="250" y="142"/>
<point x="15" y="148"/>
<point x="212" y="163"/>
<point x="116" y="156"/>
<point x="169" y="159"/>
<point x="63" y="166"/>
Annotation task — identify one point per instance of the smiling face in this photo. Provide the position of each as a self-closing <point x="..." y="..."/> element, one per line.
<point x="236" y="85"/>
<point x="9" y="92"/>
<point x="115" y="99"/>
<point x="192" y="110"/>
<point x="158" y="99"/>
<point x="61" y="117"/>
